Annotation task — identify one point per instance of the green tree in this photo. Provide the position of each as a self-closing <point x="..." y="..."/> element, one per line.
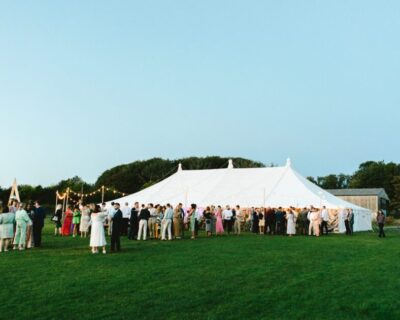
<point x="395" y="203"/>
<point x="373" y="174"/>
<point x="312" y="179"/>
<point x="332" y="181"/>
<point x="133" y="177"/>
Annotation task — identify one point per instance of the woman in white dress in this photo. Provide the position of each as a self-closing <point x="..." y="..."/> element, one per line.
<point x="97" y="235"/>
<point x="291" y="223"/>
<point x="85" y="221"/>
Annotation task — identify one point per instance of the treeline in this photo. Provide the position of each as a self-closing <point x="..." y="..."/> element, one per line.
<point x="133" y="177"/>
<point x="127" y="178"/>
<point x="370" y="174"/>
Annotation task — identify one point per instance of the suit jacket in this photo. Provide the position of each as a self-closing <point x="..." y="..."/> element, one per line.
<point x="134" y="216"/>
<point x="38" y="217"/>
<point x="144" y="214"/>
<point x="117" y="222"/>
<point x="270" y="216"/>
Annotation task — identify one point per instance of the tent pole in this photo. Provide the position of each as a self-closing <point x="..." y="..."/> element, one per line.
<point x="56" y="201"/>
<point x="264" y="197"/>
<point x="63" y="205"/>
<point x="66" y="202"/>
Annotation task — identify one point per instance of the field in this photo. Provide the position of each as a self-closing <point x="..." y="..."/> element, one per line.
<point x="229" y="277"/>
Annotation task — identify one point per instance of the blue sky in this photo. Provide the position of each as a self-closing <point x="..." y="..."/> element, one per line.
<point x="87" y="85"/>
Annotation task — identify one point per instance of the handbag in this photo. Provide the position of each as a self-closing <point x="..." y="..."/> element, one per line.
<point x="55" y="219"/>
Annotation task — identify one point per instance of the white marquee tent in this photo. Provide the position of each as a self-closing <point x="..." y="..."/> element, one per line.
<point x="253" y="187"/>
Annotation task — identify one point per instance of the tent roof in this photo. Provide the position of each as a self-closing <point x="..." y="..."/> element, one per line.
<point x="253" y="187"/>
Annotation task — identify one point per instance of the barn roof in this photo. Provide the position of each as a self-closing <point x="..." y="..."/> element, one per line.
<point x="378" y="192"/>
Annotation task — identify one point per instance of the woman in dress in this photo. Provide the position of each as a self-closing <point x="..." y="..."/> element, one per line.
<point x="381" y="219"/>
<point x="29" y="229"/>
<point x="213" y="220"/>
<point x="76" y="220"/>
<point x="159" y="218"/>
<point x="219" y="225"/>
<point x="291" y="223"/>
<point x="66" y="227"/>
<point x="192" y="219"/>
<point x="85" y="221"/>
<point x="22" y="220"/>
<point x="97" y="236"/>
<point x="7" y="220"/>
<point x="57" y="220"/>
<point x="208" y="220"/>
<point x="185" y="219"/>
<point x="177" y="223"/>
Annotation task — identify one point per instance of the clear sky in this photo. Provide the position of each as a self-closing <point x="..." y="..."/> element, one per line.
<point x="88" y="85"/>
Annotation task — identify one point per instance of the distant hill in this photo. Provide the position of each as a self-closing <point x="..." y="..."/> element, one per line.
<point x="133" y="177"/>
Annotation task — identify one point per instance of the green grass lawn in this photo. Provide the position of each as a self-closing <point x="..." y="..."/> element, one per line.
<point x="246" y="277"/>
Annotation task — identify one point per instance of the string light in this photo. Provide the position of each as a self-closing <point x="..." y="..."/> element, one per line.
<point x="102" y="189"/>
<point x="61" y="196"/>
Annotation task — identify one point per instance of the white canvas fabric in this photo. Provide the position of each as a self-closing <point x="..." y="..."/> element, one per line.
<point x="254" y="187"/>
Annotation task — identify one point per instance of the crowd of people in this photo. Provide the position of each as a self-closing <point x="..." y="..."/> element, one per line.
<point x="21" y="225"/>
<point x="143" y="222"/>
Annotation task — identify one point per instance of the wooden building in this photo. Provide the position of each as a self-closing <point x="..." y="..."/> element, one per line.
<point x="372" y="199"/>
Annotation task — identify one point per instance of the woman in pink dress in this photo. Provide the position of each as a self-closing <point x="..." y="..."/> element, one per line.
<point x="66" y="227"/>
<point x="219" y="226"/>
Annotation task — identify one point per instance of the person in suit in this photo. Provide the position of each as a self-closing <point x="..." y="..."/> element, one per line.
<point x="38" y="224"/>
<point x="270" y="221"/>
<point x="254" y="221"/>
<point x="180" y="206"/>
<point x="166" y="224"/>
<point x="324" y="220"/>
<point x="116" y="230"/>
<point x="304" y="223"/>
<point x="177" y="221"/>
<point x="227" y="217"/>
<point x="347" y="222"/>
<point x="134" y="222"/>
<point x="144" y="216"/>
<point x="279" y="217"/>
<point x="152" y="220"/>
